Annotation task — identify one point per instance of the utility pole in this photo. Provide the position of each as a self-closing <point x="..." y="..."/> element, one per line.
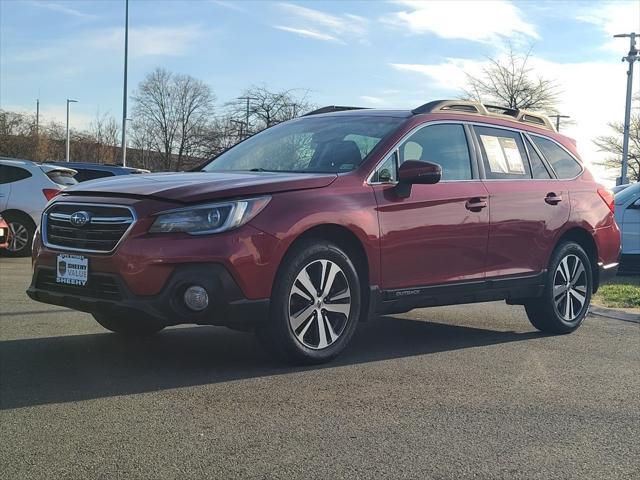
<point x="248" y="99"/>
<point x="631" y="57"/>
<point x="37" y="129"/>
<point x="557" y="116"/>
<point x="68" y="102"/>
<point x="124" y="90"/>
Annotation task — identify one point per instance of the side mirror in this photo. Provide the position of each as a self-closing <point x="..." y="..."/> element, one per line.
<point x="636" y="204"/>
<point x="416" y="172"/>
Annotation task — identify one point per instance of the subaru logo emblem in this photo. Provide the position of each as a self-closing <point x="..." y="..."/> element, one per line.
<point x="80" y="219"/>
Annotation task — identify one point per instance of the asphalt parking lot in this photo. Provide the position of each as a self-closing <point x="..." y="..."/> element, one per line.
<point x="455" y="392"/>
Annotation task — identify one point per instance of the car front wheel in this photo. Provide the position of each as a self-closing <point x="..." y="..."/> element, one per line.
<point x="21" y="230"/>
<point x="315" y="304"/>
<point x="567" y="295"/>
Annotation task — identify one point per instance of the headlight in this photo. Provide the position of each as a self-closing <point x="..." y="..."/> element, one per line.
<point x="209" y="218"/>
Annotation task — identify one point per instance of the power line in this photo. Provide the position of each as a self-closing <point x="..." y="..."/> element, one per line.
<point x="557" y="116"/>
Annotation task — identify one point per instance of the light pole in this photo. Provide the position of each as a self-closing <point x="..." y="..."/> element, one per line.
<point x="631" y="57"/>
<point x="124" y="91"/>
<point x="68" y="102"/>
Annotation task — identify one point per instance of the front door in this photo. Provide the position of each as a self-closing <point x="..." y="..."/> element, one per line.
<point x="439" y="233"/>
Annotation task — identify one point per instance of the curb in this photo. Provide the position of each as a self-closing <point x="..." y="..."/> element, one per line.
<point x="615" y="314"/>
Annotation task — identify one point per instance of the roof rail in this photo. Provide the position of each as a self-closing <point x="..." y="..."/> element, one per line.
<point x="477" y="108"/>
<point x="332" y="108"/>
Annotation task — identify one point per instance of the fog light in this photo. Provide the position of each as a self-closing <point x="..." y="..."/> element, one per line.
<point x="196" y="298"/>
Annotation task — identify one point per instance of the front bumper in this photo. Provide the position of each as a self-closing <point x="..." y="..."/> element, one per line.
<point x="107" y="293"/>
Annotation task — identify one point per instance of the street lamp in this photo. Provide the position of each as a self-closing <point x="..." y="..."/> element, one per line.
<point x="68" y="102"/>
<point x="631" y="57"/>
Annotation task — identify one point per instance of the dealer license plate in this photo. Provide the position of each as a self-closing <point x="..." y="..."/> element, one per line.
<point x="72" y="269"/>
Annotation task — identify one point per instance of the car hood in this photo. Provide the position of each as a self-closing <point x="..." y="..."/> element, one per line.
<point x="201" y="186"/>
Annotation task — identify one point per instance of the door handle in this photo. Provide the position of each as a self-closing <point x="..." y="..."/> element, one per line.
<point x="475" y="204"/>
<point x="553" y="199"/>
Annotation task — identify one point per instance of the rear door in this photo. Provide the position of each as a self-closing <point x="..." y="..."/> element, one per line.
<point x="527" y="205"/>
<point x="439" y="233"/>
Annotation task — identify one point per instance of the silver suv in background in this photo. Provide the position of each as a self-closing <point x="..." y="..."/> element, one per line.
<point x="25" y="189"/>
<point x="627" y="203"/>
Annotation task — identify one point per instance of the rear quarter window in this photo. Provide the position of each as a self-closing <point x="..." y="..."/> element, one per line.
<point x="564" y="164"/>
<point x="10" y="174"/>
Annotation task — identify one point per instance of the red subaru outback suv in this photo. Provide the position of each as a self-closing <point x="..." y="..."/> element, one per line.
<point x="313" y="225"/>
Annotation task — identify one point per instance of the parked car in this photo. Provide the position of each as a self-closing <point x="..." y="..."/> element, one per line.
<point x="91" y="171"/>
<point x="25" y="189"/>
<point x="619" y="188"/>
<point x="312" y="225"/>
<point x="4" y="234"/>
<point x="628" y="217"/>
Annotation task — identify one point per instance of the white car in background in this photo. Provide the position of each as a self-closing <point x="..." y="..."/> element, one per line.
<point x="627" y="203"/>
<point x="25" y="189"/>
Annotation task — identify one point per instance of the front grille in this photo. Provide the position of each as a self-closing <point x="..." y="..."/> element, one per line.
<point x="105" y="226"/>
<point x="97" y="286"/>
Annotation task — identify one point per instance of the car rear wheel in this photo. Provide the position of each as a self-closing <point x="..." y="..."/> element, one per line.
<point x="567" y="294"/>
<point x="133" y="327"/>
<point x="315" y="304"/>
<point x="21" y="231"/>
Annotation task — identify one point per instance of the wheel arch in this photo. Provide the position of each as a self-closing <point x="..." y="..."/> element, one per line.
<point x="351" y="244"/>
<point x="583" y="238"/>
<point x="20" y="213"/>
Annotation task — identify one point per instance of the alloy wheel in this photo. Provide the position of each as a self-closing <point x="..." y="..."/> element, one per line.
<point x="570" y="284"/>
<point x="319" y="304"/>
<point x="19" y="237"/>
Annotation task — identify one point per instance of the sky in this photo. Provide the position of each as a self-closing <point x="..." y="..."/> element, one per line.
<point x="384" y="54"/>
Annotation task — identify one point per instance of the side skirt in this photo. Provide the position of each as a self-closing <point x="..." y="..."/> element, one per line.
<point x="512" y="289"/>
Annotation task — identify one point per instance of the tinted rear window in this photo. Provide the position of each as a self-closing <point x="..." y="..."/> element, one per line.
<point x="90" y="174"/>
<point x="62" y="178"/>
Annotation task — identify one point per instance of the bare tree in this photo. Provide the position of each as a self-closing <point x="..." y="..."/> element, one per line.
<point x="175" y="108"/>
<point x="510" y="82"/>
<point x="104" y="133"/>
<point x="612" y="144"/>
<point x="267" y="108"/>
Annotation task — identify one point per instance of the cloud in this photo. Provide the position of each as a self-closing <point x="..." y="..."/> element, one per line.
<point x="311" y="23"/>
<point x="371" y="101"/>
<point x="229" y="5"/>
<point x="613" y="18"/>
<point x="56" y="7"/>
<point x="143" y="41"/>
<point x="591" y="110"/>
<point x="308" y="33"/>
<point x="486" y="22"/>
<point x="148" y="41"/>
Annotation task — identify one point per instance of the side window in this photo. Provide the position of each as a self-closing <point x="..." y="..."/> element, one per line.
<point x="444" y="144"/>
<point x="387" y="172"/>
<point x="503" y="154"/>
<point x="563" y="163"/>
<point x="12" y="174"/>
<point x="90" y="174"/>
<point x="538" y="168"/>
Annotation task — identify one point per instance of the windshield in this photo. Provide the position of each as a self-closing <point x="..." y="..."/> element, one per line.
<point x="627" y="194"/>
<point x="309" y="144"/>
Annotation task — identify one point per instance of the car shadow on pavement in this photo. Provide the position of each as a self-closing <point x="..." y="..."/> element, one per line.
<point x="48" y="370"/>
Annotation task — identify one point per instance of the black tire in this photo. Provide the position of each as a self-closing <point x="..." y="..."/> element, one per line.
<point x="558" y="310"/>
<point x="139" y="326"/>
<point x="20" y="244"/>
<point x="296" y="347"/>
